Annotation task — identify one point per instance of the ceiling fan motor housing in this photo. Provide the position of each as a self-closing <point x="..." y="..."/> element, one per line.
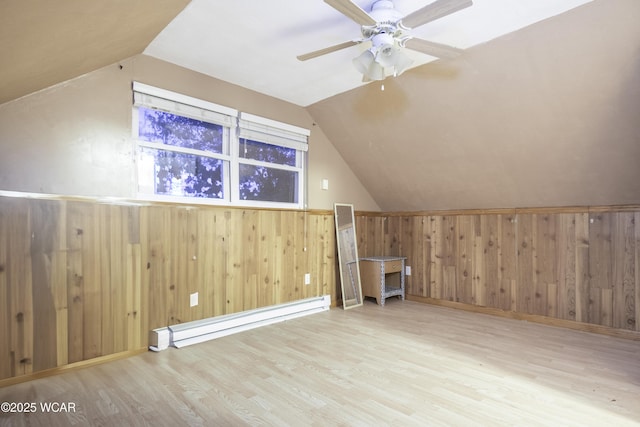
<point x="386" y="16"/>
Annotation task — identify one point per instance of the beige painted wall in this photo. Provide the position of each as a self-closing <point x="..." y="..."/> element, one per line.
<point x="545" y="116"/>
<point x="75" y="138"/>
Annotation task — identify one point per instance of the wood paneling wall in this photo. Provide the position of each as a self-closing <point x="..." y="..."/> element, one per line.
<point x="81" y="279"/>
<point x="575" y="264"/>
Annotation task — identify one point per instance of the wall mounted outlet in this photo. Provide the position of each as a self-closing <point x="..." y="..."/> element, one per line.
<point x="307" y="279"/>
<point x="193" y="299"/>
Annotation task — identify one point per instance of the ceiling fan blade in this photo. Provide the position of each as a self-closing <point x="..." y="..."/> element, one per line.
<point x="433" y="11"/>
<point x="351" y="11"/>
<point x="326" y="50"/>
<point x="434" y="49"/>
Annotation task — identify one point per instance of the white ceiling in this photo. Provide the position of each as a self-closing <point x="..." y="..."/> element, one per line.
<point x="254" y="43"/>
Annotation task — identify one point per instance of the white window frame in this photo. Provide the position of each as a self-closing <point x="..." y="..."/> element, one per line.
<point x="237" y="125"/>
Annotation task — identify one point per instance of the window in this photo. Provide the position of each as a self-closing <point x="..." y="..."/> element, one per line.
<point x="192" y="149"/>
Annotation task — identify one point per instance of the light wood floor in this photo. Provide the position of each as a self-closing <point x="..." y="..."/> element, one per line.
<point x="405" y="364"/>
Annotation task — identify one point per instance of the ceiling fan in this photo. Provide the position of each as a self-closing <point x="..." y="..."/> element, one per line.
<point x="388" y="31"/>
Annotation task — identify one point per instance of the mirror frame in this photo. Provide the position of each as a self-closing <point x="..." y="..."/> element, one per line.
<point x="347" y="245"/>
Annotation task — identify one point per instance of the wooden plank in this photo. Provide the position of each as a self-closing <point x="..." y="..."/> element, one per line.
<point x="624" y="270"/>
<point x="566" y="267"/>
<point x="118" y="287"/>
<point x="507" y="259"/>
<point x="296" y="260"/>
<point x="92" y="314"/>
<point x="636" y="222"/>
<point x="234" y="278"/>
<point x="449" y="283"/>
<point x="6" y="366"/>
<point x="465" y="257"/>
<point x="59" y="287"/>
<point x="77" y="217"/>
<point x="178" y="297"/>
<point x="59" y="291"/>
<point x="423" y="267"/>
<point x="195" y="281"/>
<point x="133" y="297"/>
<point x="281" y="292"/>
<point x="107" y="235"/>
<point x="290" y="269"/>
<point x="582" y="267"/>
<point x="392" y="238"/>
<point x="600" y="251"/>
<point x="158" y="265"/>
<point x="144" y="308"/>
<point x="415" y="283"/>
<point x="407" y="246"/>
<point x="20" y="284"/>
<point x="435" y="280"/>
<point x="546" y="258"/>
<point x="490" y="259"/>
<point x="600" y="266"/>
<point x="204" y="246"/>
<point x="311" y="250"/>
<point x="606" y="307"/>
<point x="257" y="270"/>
<point x="526" y="264"/>
<point x="552" y="300"/>
<point x="326" y="227"/>
<point x="479" y="288"/>
<point x="44" y="223"/>
<point x="222" y="259"/>
<point x="447" y="257"/>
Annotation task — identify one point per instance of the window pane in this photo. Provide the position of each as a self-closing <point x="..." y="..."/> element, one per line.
<point x="170" y="129"/>
<point x="266" y="152"/>
<point x="268" y="184"/>
<point x="179" y="174"/>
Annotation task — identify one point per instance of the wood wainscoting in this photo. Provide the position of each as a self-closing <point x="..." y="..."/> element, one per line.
<point x="576" y="264"/>
<point x="83" y="279"/>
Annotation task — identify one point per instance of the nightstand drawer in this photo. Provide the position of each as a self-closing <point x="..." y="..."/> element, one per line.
<point x="393" y="266"/>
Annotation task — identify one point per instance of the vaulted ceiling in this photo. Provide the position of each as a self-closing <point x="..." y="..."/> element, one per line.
<point x="252" y="43"/>
<point x="43" y="43"/>
<point x="540" y="110"/>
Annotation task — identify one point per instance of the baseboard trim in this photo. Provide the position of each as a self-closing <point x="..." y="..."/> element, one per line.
<point x="550" y="321"/>
<point x="70" y="367"/>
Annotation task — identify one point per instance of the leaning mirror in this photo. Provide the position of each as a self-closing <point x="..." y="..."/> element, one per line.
<point x="348" y="256"/>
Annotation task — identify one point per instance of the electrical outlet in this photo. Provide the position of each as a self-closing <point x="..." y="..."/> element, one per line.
<point x="193" y="299"/>
<point x="307" y="279"/>
<point x="407" y="270"/>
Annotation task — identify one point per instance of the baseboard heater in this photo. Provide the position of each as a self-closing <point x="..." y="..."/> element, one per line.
<point x="198" y="331"/>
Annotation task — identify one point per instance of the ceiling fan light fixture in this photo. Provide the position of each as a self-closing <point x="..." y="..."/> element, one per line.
<point x="401" y="62"/>
<point x="366" y="64"/>
<point x="375" y="72"/>
<point x="363" y="61"/>
<point x="388" y="32"/>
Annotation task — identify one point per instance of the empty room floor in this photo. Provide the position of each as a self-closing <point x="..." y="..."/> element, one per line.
<point x="404" y="364"/>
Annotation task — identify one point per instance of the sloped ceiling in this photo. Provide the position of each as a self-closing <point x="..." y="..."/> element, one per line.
<point x="254" y="43"/>
<point x="530" y="115"/>
<point x="45" y="42"/>
<point x="546" y="116"/>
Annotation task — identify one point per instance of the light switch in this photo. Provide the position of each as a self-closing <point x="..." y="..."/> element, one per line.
<point x="193" y="299"/>
<point x="407" y="270"/>
<point x="325" y="184"/>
